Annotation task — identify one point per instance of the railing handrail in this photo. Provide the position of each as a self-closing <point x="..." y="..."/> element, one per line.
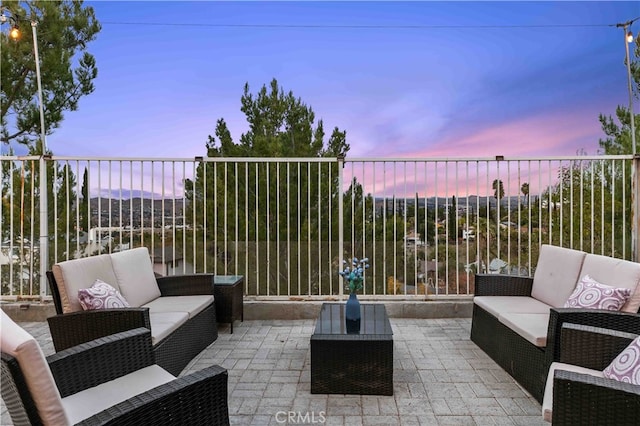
<point x="329" y="159"/>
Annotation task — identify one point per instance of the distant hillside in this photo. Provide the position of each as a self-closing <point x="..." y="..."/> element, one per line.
<point x="471" y="201"/>
<point x="137" y="204"/>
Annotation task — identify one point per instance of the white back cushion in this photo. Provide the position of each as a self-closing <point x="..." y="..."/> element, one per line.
<point x="73" y="275"/>
<point x="557" y="274"/>
<point x="22" y="346"/>
<point x="134" y="272"/>
<point x="616" y="273"/>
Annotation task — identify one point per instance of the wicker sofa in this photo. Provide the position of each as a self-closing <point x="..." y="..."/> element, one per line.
<point x="517" y="320"/>
<point x="179" y="310"/>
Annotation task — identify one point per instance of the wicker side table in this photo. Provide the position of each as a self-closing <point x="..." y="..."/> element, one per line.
<point x="228" y="292"/>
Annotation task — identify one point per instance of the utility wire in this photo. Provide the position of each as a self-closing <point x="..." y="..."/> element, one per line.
<point x="350" y="26"/>
<point x="625" y="24"/>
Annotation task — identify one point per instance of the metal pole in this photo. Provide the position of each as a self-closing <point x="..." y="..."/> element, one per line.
<point x="635" y="208"/>
<point x="633" y="126"/>
<point x="43" y="135"/>
<point x="340" y="222"/>
<point x="44" y="224"/>
<point x="635" y="190"/>
<point x="635" y="187"/>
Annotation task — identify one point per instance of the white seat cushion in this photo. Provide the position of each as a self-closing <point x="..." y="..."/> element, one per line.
<point x="497" y="305"/>
<point x="24" y="348"/>
<point x="556" y="275"/>
<point x="547" y="401"/>
<point x="532" y="327"/>
<point x="164" y="323"/>
<point x="192" y="305"/>
<point x="88" y="402"/>
<point x="615" y="273"/>
<point x="134" y="272"/>
<point x="75" y="274"/>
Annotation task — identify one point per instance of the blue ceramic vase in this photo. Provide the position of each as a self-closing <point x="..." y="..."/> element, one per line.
<point x="352" y="314"/>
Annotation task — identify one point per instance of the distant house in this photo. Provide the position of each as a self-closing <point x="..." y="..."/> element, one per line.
<point x="10" y="258"/>
<point x="497" y="266"/>
<point x="166" y="263"/>
<point x="477" y="267"/>
<point x="413" y="239"/>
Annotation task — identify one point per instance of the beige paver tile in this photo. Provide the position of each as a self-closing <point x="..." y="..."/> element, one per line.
<point x="370" y="406"/>
<point x="484" y="407"/>
<point x="388" y="406"/>
<point x="455" y="420"/>
<point x="492" y="420"/>
<point x="414" y="406"/>
<point x="529" y="421"/>
<point x="440" y="407"/>
<point x="353" y="421"/>
<point x="381" y="421"/>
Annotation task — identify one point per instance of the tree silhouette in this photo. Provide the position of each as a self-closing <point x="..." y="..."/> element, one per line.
<point x="525" y="191"/>
<point x="498" y="190"/>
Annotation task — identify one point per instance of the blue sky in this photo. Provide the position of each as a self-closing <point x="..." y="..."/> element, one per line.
<point x="475" y="79"/>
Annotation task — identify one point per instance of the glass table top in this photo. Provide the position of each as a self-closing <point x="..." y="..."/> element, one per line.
<point x="226" y="279"/>
<point x="373" y="321"/>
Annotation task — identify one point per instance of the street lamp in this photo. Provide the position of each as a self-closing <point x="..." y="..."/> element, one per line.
<point x="14" y="34"/>
<point x="628" y="38"/>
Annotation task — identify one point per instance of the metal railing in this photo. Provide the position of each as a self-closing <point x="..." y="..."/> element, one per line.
<point x="286" y="224"/>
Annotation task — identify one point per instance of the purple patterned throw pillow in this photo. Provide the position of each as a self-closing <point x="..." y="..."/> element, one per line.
<point x="589" y="293"/>
<point x="101" y="296"/>
<point x="626" y="366"/>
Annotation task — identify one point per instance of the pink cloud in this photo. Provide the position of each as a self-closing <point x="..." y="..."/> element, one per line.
<point x="546" y="134"/>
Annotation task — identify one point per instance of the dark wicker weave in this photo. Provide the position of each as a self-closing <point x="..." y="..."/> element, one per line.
<point x="197" y="399"/>
<point x="360" y="364"/>
<point x="584" y="399"/>
<point x="172" y="353"/>
<point x="525" y="362"/>
<point x="620" y="321"/>
<point x="229" y="299"/>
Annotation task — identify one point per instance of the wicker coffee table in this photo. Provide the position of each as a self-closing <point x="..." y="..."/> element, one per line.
<point x="360" y="364"/>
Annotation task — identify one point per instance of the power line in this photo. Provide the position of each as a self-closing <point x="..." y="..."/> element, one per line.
<point x="625" y="24"/>
<point x="353" y="26"/>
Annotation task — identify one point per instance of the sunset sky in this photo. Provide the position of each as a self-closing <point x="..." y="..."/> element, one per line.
<point x="404" y="79"/>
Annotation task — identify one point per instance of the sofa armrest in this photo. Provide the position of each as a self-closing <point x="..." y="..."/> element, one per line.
<point x="199" y="398"/>
<point x="185" y="285"/>
<point x="72" y="329"/>
<point x="101" y="360"/>
<point x="591" y="347"/>
<point x="585" y="399"/>
<point x="502" y="285"/>
<point x="613" y="320"/>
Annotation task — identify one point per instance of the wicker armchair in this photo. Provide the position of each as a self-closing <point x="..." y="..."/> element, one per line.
<point x="111" y="380"/>
<point x="576" y="392"/>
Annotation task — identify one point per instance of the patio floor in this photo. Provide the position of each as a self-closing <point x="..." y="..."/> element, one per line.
<point x="440" y="378"/>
